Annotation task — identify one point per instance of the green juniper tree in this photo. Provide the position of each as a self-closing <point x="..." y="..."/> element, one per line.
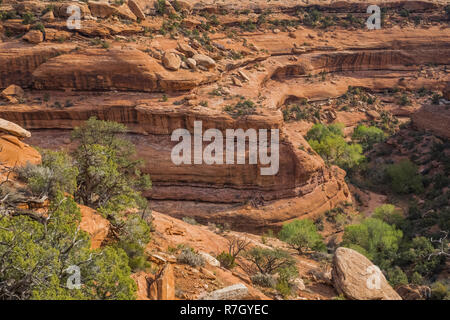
<point x="36" y="250"/>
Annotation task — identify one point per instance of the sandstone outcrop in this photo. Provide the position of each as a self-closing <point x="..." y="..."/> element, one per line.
<point x="15" y="153"/>
<point x="95" y="225"/>
<point x="13" y="93"/>
<point x="163" y="288"/>
<point x="17" y="63"/>
<point x="358" y="278"/>
<point x="13" y="129"/>
<point x="115" y="69"/>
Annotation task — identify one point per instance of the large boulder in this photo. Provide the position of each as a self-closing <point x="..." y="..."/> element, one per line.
<point x="48" y="16"/>
<point x="357" y="278"/>
<point x="12" y="91"/>
<point x="101" y="9"/>
<point x="105" y="10"/>
<point x="136" y="9"/>
<point x="205" y="61"/>
<point x="147" y="6"/>
<point x="234" y="292"/>
<point x="209" y="259"/>
<point x="13" y="129"/>
<point x="124" y="12"/>
<point x="34" y="36"/>
<point x="60" y="10"/>
<point x="171" y="61"/>
<point x="186" y="49"/>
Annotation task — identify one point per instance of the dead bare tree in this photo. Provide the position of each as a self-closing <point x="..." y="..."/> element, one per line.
<point x="442" y="250"/>
<point x="237" y="245"/>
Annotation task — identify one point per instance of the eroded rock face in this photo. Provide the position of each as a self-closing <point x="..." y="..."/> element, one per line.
<point x="358" y="278"/>
<point x="115" y="69"/>
<point x="17" y="63"/>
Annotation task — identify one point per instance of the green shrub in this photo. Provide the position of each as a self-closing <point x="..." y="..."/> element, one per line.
<point x="378" y="240"/>
<point x="368" y="136"/>
<point x="39" y="26"/>
<point x="330" y="144"/>
<point x="405" y="178"/>
<point x="416" y="278"/>
<point x="242" y="108"/>
<point x="397" y="277"/>
<point x="417" y="255"/>
<point x="435" y="98"/>
<point x="286" y="276"/>
<point x="56" y="173"/>
<point x="302" y="235"/>
<point x="269" y="261"/>
<point x="389" y="214"/>
<point x="28" y="18"/>
<point x="160" y="6"/>
<point x="226" y="260"/>
<point x="439" y="291"/>
<point x="264" y="280"/>
<point x="36" y="255"/>
<point x="189" y="257"/>
<point x="404" y="100"/>
<point x="109" y="176"/>
<point x="134" y="236"/>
